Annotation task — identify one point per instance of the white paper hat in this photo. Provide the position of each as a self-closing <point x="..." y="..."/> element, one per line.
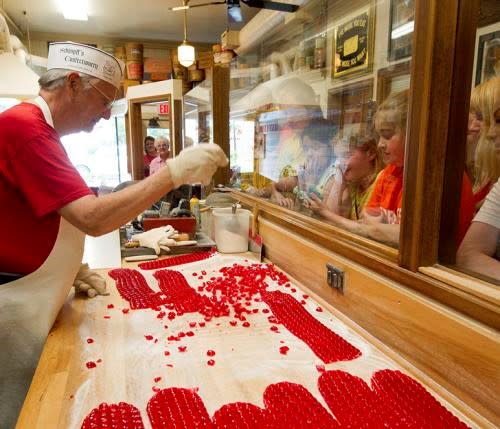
<point x="85" y="59"/>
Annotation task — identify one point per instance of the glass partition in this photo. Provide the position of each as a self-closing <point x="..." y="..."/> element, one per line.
<point x="478" y="243"/>
<point x="318" y="112"/>
<point x="197" y="107"/>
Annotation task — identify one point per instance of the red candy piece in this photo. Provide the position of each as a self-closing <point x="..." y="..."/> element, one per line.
<point x="284" y="350"/>
<point x="246" y="324"/>
<point x="90" y="365"/>
<point x="111" y="306"/>
<point x="326" y="344"/>
<point x="108" y="416"/>
<point x="175" y="260"/>
<point x="157" y="379"/>
<point x="148" y="337"/>
<point x="125" y="310"/>
<point x="211" y="362"/>
<point x="178" y="408"/>
<point x="182" y="349"/>
<point x="210" y="353"/>
<point x="274" y="328"/>
<point x="90" y="340"/>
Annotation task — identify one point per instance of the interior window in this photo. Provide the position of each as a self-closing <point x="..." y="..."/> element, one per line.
<point x="479" y="242"/>
<point x="100" y="156"/>
<point x="327" y="95"/>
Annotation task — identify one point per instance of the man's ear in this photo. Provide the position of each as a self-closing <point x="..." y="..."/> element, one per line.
<point x="73" y="82"/>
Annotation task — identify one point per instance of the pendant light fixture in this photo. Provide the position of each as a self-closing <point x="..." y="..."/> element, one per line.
<point x="185" y="52"/>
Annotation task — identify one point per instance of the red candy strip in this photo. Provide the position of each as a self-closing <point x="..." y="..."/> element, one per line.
<point x="133" y="287"/>
<point x="396" y="401"/>
<point x="291" y="405"/>
<point x="325" y="344"/>
<point x="178" y="408"/>
<point x="240" y="415"/>
<point x="175" y="260"/>
<point x="113" y="416"/>
<point x="178" y="292"/>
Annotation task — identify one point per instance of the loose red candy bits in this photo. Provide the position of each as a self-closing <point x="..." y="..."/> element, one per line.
<point x="211" y="362"/>
<point x="284" y="350"/>
<point x="90" y="365"/>
<point x="90" y="340"/>
<point x="210" y="353"/>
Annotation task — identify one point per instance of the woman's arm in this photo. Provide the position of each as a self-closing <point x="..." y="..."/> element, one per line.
<point x="477" y="250"/>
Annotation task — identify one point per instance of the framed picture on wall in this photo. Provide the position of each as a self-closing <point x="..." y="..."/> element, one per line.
<point x="402" y="20"/>
<point x="394" y="78"/>
<point x="351" y="108"/>
<point x="353" y="44"/>
<point x="487" y="53"/>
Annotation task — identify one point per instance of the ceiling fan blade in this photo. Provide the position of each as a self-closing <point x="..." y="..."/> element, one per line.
<point x="178" y="8"/>
<point x="263" y="4"/>
<point x="234" y="11"/>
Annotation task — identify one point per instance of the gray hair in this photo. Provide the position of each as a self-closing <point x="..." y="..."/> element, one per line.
<point x="53" y="79"/>
<point x="162" y="139"/>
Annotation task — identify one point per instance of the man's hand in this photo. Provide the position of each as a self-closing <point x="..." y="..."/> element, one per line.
<point x="89" y="282"/>
<point x="157" y="238"/>
<point x="196" y="164"/>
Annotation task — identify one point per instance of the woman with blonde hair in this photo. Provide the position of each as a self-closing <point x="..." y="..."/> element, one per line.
<point x="486" y="159"/>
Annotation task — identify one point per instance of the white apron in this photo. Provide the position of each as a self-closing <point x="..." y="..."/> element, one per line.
<point x="28" y="309"/>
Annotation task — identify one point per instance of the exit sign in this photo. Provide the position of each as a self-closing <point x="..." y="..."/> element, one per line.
<point x="164" y="108"/>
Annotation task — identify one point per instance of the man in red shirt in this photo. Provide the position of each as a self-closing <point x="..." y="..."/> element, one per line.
<point x="47" y="208"/>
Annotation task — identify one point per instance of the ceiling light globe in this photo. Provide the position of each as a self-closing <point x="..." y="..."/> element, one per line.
<point x="185" y="53"/>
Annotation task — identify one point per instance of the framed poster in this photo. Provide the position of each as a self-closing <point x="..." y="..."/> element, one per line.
<point x="487" y="53"/>
<point x="260" y="146"/>
<point x="394" y="78"/>
<point x="353" y="44"/>
<point x="351" y="108"/>
<point x="402" y="21"/>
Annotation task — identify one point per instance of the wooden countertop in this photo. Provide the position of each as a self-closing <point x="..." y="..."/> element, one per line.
<point x="61" y="372"/>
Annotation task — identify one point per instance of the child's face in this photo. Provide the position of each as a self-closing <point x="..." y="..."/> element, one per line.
<point x="359" y="165"/>
<point x="392" y="138"/>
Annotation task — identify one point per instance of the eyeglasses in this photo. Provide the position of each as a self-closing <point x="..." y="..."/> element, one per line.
<point x="109" y="101"/>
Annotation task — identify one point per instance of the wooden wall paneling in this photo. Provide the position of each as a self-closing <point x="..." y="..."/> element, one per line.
<point x="454" y="165"/>
<point x="459" y="353"/>
<point x="385" y="76"/>
<point x="432" y="72"/>
<point x="176" y="136"/>
<point x="220" y="117"/>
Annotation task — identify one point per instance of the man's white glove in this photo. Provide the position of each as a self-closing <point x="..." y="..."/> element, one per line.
<point x="196" y="164"/>
<point x="89" y="282"/>
<point x="157" y="238"/>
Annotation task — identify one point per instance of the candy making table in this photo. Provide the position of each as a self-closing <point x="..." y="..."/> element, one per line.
<point x="222" y="342"/>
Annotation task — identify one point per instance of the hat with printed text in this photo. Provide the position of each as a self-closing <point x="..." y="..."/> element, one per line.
<point x="85" y="59"/>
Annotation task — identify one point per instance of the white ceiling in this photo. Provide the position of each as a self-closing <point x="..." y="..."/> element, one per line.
<point x="126" y="19"/>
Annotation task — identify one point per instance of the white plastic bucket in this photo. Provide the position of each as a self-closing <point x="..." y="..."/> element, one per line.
<point x="231" y="230"/>
<point x="209" y="219"/>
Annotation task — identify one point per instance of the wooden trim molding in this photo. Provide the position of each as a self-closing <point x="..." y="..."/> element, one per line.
<point x="374" y="256"/>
